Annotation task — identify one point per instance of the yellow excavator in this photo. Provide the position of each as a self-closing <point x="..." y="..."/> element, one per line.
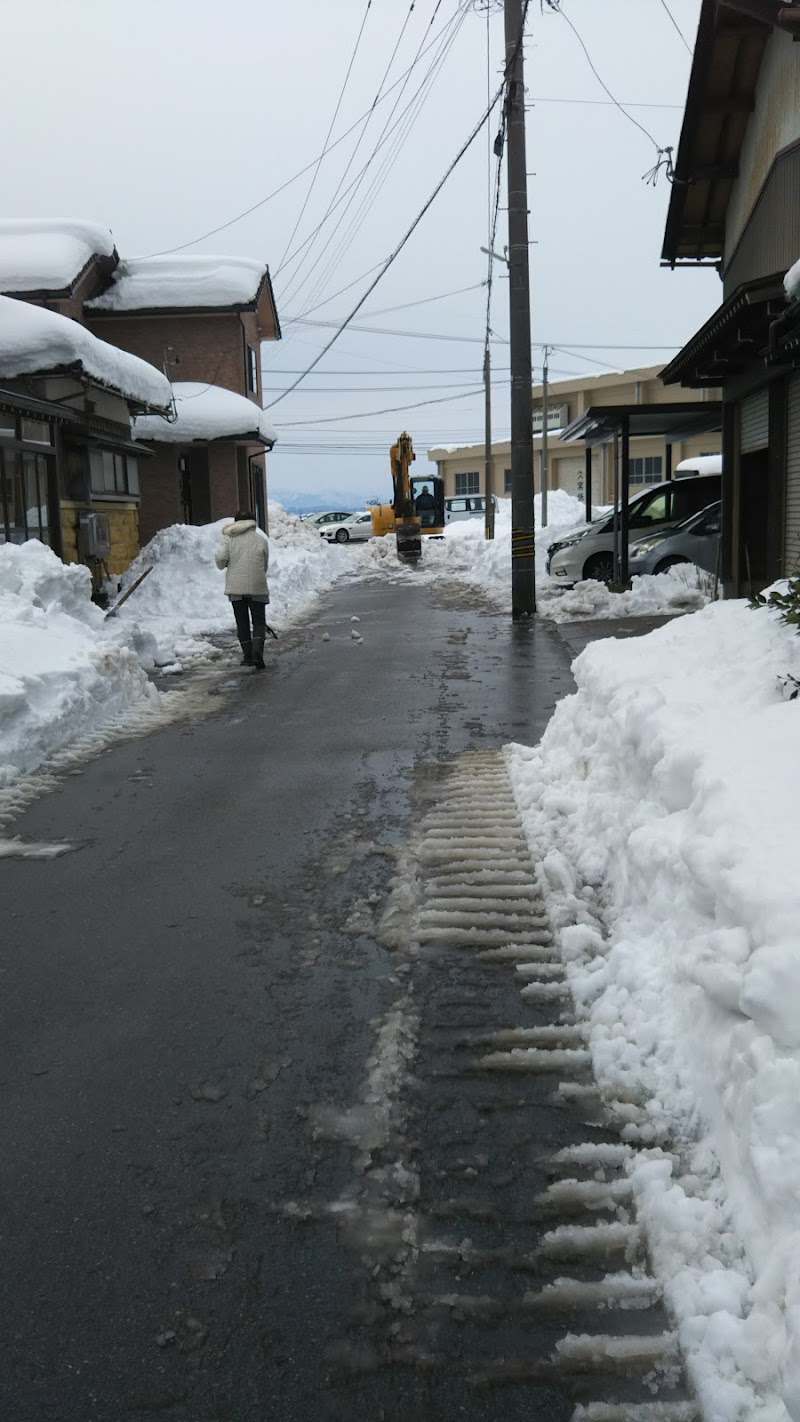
<point x="417" y="507"/>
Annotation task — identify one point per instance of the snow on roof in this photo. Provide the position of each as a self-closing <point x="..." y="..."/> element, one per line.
<point x="206" y="412"/>
<point x="37" y="342"/>
<point x="152" y="283"/>
<point x="47" y="254"/>
<point x="791" y="282"/>
<point x="700" y="464"/>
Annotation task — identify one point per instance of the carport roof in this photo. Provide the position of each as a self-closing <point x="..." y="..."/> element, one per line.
<point x="675" y="421"/>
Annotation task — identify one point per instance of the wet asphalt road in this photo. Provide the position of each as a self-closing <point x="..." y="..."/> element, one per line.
<point x="182" y="990"/>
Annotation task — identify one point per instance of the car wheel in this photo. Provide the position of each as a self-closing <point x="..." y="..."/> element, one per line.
<point x="672" y="562"/>
<point x="341" y="535"/>
<point x="600" y="567"/>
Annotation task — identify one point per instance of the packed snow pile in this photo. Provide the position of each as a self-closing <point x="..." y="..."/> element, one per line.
<point x="683" y="588"/>
<point x="60" y="674"/>
<point x="47" y="254"/>
<point x="662" y="804"/>
<point x="206" y="412"/>
<point x="183" y="598"/>
<point x="464" y="553"/>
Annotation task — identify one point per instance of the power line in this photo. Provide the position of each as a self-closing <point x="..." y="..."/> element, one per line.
<point x="398" y="249"/>
<point x="555" y="6"/>
<point x="223" y="227"/>
<point x="684" y="41"/>
<point x="390" y="410"/>
<point x="328" y="134"/>
<point x="401" y="130"/>
<point x="337" y="201"/>
<point x="361" y="135"/>
<point x="405" y="306"/>
<point x="602" y="103"/>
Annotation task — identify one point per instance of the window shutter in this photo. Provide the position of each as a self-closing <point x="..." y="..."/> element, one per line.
<point x="791" y="565"/>
<point x="754" y="417"/>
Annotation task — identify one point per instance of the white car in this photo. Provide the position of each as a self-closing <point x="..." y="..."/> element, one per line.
<point x="320" y="520"/>
<point x="471" y="506"/>
<point x="352" y="529"/>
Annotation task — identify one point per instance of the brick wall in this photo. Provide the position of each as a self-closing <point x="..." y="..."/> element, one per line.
<point x="160" y="488"/>
<point x="207" y="348"/>
<point x="223" y="480"/>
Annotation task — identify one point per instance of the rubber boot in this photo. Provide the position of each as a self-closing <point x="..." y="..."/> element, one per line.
<point x="247" y="652"/>
<point x="258" y="653"/>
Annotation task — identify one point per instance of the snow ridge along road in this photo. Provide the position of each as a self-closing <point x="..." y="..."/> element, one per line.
<point x="490" y="1203"/>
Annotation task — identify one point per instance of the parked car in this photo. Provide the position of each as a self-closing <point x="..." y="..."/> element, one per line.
<point x="319" y="520"/>
<point x="473" y="506"/>
<point x="589" y="552"/>
<point x="696" y="540"/>
<point x="351" y="529"/>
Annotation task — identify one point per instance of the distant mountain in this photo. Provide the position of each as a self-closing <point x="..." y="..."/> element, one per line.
<point x="300" y="502"/>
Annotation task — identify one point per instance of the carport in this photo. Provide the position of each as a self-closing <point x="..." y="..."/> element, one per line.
<point x="619" y="424"/>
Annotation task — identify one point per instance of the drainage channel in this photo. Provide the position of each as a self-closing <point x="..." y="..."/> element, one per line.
<point x="510" y="1259"/>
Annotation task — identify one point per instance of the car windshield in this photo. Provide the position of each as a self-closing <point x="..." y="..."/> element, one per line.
<point x="706" y="521"/>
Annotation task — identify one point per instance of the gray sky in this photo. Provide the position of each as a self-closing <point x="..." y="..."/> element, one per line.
<point x="167" y="118"/>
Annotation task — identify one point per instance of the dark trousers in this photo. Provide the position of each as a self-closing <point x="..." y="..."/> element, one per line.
<point x="245" y="608"/>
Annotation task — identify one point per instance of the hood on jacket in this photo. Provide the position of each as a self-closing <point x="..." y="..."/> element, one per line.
<point x="245" y="525"/>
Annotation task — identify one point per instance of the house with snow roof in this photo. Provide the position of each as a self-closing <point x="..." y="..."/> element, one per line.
<point x="203" y="320"/>
<point x="55" y="262"/>
<point x="734" y="207"/>
<point x="69" y="468"/>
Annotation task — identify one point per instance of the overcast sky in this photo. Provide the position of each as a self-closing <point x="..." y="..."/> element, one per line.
<point x="167" y="118"/>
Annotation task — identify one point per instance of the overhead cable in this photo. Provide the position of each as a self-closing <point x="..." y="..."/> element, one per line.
<point x="223" y="227"/>
<point x="390" y="410"/>
<point x="328" y="134"/>
<point x="368" y="119"/>
<point x="401" y="132"/>
<point x="664" y="159"/>
<point x="398" y="249"/>
<point x="397" y="132"/>
<point x="684" y="40"/>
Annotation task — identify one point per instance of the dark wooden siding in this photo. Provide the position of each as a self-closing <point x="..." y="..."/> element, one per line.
<point x="771" y="240"/>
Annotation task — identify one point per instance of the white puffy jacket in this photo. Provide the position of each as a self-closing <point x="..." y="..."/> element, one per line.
<point x="245" y="556"/>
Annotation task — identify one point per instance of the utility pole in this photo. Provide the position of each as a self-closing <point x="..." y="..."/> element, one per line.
<point x="543" y="471"/>
<point x="489" y="470"/>
<point x="523" y="587"/>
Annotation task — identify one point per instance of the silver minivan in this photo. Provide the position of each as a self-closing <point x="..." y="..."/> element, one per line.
<point x="466" y="506"/>
<point x="589" y="552"/>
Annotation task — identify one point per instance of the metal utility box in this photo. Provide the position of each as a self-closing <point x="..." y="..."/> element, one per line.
<point x="94" y="538"/>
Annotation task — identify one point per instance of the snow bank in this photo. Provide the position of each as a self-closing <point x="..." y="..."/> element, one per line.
<point x="161" y="283"/>
<point x="791" y="282"/>
<point x="36" y="342"/>
<point x="41" y="254"/>
<point x="183" y="599"/>
<point x="206" y="412"/>
<point x="662" y="803"/>
<point x="464" y="553"/>
<point x="60" y="674"/>
<point x="683" y="588"/>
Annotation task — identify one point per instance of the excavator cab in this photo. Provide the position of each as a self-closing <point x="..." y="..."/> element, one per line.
<point x="427" y="493"/>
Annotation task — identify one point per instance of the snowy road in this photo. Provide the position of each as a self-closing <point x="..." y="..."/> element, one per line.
<point x="208" y="1019"/>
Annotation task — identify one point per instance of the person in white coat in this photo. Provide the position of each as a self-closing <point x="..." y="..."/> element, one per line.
<point x="244" y="554"/>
